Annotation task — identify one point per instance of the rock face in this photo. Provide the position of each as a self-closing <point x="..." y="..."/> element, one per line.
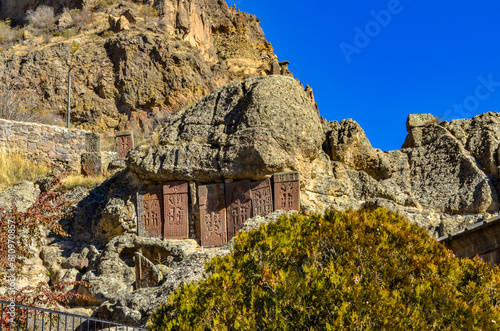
<point x="248" y="129"/>
<point x="148" y="69"/>
<point x="433" y="171"/>
<point x="457" y="185"/>
<point x="23" y="195"/>
<point x="186" y="267"/>
<point x="445" y="177"/>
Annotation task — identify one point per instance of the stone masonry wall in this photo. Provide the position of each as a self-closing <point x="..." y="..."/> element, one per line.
<point x="55" y="144"/>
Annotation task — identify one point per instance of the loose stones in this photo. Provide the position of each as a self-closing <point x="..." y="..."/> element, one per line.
<point x="176" y="208"/>
<point x="286" y="191"/>
<point x="212" y="215"/>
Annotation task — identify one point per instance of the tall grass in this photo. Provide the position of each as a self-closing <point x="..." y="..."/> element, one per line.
<point x="73" y="180"/>
<point x="15" y="167"/>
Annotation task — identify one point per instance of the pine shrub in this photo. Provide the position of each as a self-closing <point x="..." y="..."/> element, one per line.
<point x="353" y="270"/>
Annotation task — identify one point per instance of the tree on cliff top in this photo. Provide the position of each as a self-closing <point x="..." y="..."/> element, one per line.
<point x="356" y="270"/>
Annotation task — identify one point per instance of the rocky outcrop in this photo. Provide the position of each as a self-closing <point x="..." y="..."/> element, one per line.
<point x="246" y="130"/>
<point x="457" y="185"/>
<point x="22" y="195"/>
<point x="147" y="70"/>
<point x="188" y="266"/>
<point x="434" y="171"/>
<point x="134" y="308"/>
<point x="250" y="130"/>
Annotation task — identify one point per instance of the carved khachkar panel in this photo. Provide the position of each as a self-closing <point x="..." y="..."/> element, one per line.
<point x="212" y="215"/>
<point x="286" y="191"/>
<point x="93" y="142"/>
<point x="238" y="206"/>
<point x="146" y="273"/>
<point x="149" y="220"/>
<point x="262" y="197"/>
<point x="175" y="202"/>
<point x="125" y="142"/>
<point x="91" y="164"/>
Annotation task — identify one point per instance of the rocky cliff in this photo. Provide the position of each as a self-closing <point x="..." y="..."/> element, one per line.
<point x="230" y="111"/>
<point x="445" y="177"/>
<point x="167" y="56"/>
<point x="439" y="180"/>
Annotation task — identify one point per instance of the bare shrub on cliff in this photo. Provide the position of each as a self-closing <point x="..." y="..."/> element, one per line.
<point x="20" y="232"/>
<point x="19" y="99"/>
<point x="42" y="17"/>
<point x="6" y="33"/>
<point x="82" y="18"/>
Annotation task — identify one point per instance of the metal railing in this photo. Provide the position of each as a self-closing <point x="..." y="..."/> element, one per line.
<point x="21" y="317"/>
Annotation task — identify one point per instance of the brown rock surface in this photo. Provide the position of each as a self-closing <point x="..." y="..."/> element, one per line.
<point x="246" y="130"/>
<point x="161" y="65"/>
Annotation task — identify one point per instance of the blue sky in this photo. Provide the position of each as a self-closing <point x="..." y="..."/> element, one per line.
<point x="378" y="61"/>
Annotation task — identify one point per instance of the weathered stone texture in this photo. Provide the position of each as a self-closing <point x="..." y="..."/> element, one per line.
<point x="163" y="63"/>
<point x="245" y="130"/>
<point x="433" y="171"/>
<point x="91" y="164"/>
<point x="146" y="273"/>
<point x="44" y="142"/>
<point x="482" y="238"/>
<point x="125" y="142"/>
<point x="93" y="142"/>
<point x="150" y="212"/>
<point x="23" y="195"/>
<point x="419" y="120"/>
<point x="286" y="191"/>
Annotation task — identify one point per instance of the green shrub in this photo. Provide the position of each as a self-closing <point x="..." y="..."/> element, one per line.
<point x="364" y="270"/>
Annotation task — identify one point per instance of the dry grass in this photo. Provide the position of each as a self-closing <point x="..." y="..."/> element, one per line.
<point x="15" y="167"/>
<point x="75" y="180"/>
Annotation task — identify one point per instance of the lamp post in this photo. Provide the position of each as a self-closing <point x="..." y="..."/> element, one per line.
<point x="74" y="48"/>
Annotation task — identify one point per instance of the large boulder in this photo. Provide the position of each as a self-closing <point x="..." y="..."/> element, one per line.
<point x="484" y="141"/>
<point x="22" y="195"/>
<point x="444" y="176"/>
<point x="113" y="273"/>
<point x="433" y="171"/>
<point x="244" y="130"/>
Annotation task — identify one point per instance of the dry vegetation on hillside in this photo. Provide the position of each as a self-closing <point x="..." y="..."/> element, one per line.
<point x="16" y="167"/>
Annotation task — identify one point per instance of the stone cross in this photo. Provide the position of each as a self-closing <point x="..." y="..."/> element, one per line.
<point x="125" y="142"/>
<point x="91" y="164"/>
<point x="93" y="142"/>
<point x="176" y="209"/>
<point x="238" y="206"/>
<point x="212" y="221"/>
<point x="146" y="273"/>
<point x="262" y="197"/>
<point x="286" y="191"/>
<point x="149" y="212"/>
